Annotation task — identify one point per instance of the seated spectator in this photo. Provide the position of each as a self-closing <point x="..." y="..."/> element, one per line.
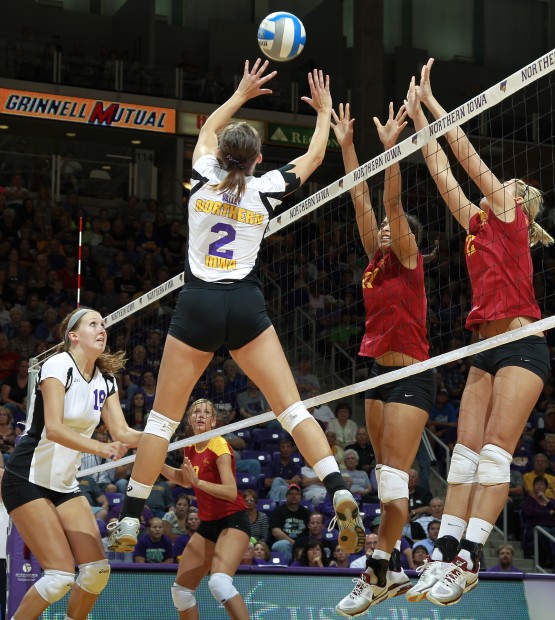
<point x="258" y="519"/>
<point x="244" y="466"/>
<point x="225" y="403"/>
<point x="305" y="380"/>
<point x="363" y="447"/>
<point x="419" y="497"/>
<point x="539" y="510"/>
<point x="154" y="547"/>
<point x="436" y="512"/>
<point x="116" y="477"/>
<point x="541" y="467"/>
<point x="251" y="402"/>
<point x="235" y="380"/>
<point x="288" y="522"/>
<point x="24" y="344"/>
<point x="548" y="428"/>
<point x="313" y="555"/>
<point x="419" y="555"/>
<point x="442" y="421"/>
<point x="262" y="552"/>
<point x="550" y="450"/>
<point x="160" y="500"/>
<point x="7" y="432"/>
<point x="523" y="457"/>
<point x="370" y="545"/>
<point x="9" y="359"/>
<point x="343" y="427"/>
<point x="340" y="557"/>
<point x="514" y="503"/>
<point x="322" y="413"/>
<point x="360" y="480"/>
<point x="147" y="389"/>
<point x="315" y="532"/>
<point x="94" y="495"/>
<point x="136" y="413"/>
<point x="313" y="488"/>
<point x="282" y="472"/>
<point x="175" y="521"/>
<point x="505" y="557"/>
<point x="181" y="541"/>
<point x="413" y="531"/>
<point x="336" y="449"/>
<point x="249" y="559"/>
<point x="433" y="531"/>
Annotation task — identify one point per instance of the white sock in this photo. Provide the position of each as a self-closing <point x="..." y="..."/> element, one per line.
<point x="137" y="489"/>
<point x="450" y="526"/>
<point x="327" y="465"/>
<point x="478" y="532"/>
<point x="381" y="555"/>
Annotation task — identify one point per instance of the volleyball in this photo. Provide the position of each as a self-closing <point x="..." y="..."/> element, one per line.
<point x="281" y="36"/>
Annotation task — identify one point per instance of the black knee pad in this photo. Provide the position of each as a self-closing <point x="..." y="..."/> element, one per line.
<point x="475" y="550"/>
<point x="395" y="561"/>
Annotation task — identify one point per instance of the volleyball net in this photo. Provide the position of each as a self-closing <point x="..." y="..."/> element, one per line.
<point x="312" y="260"/>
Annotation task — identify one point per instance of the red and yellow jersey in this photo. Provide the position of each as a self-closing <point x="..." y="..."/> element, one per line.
<point x="396" y="307"/>
<point x="500" y="268"/>
<point x="211" y="508"/>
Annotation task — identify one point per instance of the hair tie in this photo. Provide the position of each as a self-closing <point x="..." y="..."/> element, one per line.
<point x="240" y="164"/>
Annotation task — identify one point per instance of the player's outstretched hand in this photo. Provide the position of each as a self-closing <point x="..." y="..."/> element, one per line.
<point x="342" y="125"/>
<point x="394" y="125"/>
<point x="320" y="96"/>
<point x="424" y="89"/>
<point x="254" y="79"/>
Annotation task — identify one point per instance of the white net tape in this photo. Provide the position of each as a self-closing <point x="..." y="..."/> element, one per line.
<point x="349" y="390"/>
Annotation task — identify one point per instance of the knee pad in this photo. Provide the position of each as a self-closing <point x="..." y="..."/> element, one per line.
<point x="93" y="576"/>
<point x="222" y="588"/>
<point x="293" y="415"/>
<point x="182" y="597"/>
<point x="464" y="466"/>
<point x="54" y="585"/>
<point x="494" y="466"/>
<point x="394" y="484"/>
<point x="378" y="471"/>
<point x="157" y="424"/>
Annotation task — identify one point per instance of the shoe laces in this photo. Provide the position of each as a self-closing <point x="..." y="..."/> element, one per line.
<point x="111" y="526"/>
<point x="453" y="575"/>
<point x="360" y="584"/>
<point x="428" y="565"/>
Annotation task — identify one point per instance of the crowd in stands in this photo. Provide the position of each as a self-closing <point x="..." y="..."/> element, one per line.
<point x="128" y="254"/>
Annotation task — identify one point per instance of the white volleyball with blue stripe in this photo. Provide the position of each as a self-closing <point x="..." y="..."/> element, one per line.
<point x="281" y="36"/>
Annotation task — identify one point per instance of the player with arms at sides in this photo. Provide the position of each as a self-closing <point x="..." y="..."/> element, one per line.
<point x="503" y="383"/>
<point x="224" y="531"/>
<point x="395" y="336"/>
<point x="222" y="303"/>
<point x="74" y="388"/>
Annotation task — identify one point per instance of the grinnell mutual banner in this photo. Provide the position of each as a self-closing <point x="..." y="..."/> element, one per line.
<point x="90" y="111"/>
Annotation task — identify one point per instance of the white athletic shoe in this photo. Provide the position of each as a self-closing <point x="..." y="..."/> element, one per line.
<point x="397" y="583"/>
<point x="364" y="595"/>
<point x="348" y="520"/>
<point x="430" y="573"/>
<point x="123" y="534"/>
<point x="455" y="582"/>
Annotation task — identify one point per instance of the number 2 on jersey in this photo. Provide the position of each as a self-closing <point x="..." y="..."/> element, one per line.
<point x="214" y="249"/>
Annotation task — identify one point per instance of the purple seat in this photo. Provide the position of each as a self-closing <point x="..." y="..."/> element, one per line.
<point x="265" y="505"/>
<point x="114" y="499"/>
<point x="261" y="436"/>
<point x="247" y="481"/>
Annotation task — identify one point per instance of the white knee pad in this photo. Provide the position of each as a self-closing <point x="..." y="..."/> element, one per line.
<point x="221" y="586"/>
<point x="378" y="471"/>
<point x="157" y="424"/>
<point x="464" y="466"/>
<point x="93" y="576"/>
<point x="293" y="415"/>
<point x="495" y="465"/>
<point x="54" y="585"/>
<point x="394" y="484"/>
<point x="183" y="598"/>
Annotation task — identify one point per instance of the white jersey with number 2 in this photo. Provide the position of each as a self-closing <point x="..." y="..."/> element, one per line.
<point x="225" y="237"/>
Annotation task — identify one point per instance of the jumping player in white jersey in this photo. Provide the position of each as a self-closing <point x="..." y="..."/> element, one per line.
<point x="222" y="302"/>
<point x="74" y="388"/>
